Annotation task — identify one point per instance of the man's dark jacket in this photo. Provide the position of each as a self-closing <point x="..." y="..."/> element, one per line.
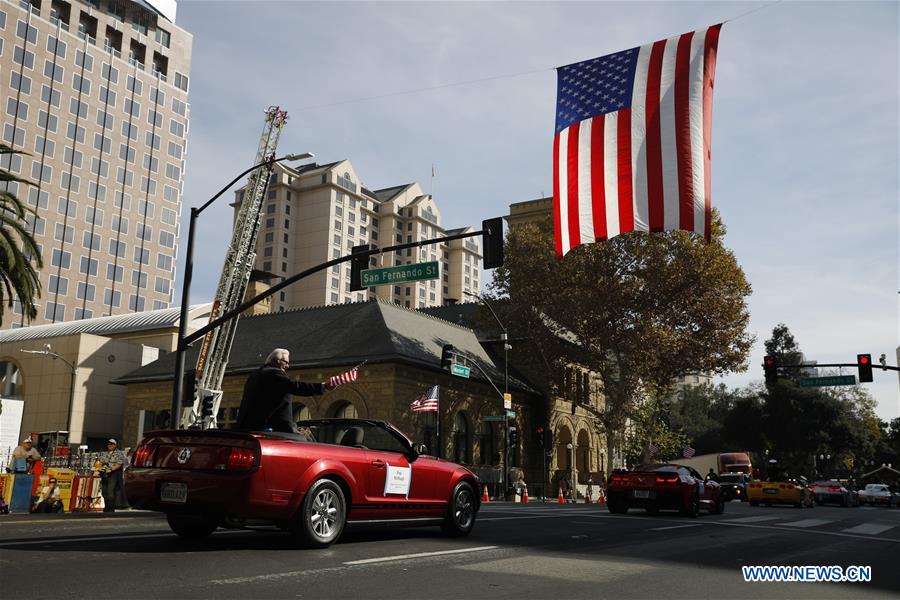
<point x="266" y="403"/>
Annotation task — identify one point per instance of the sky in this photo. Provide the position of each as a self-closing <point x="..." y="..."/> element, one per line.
<point x="805" y="131"/>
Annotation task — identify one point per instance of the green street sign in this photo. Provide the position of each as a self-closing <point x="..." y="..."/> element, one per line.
<point x="392" y="275"/>
<point x="459" y="370"/>
<point x="511" y="414"/>
<point x="826" y="381"/>
<point x="493" y="418"/>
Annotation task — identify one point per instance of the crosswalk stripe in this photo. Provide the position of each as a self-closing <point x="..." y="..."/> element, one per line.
<point x="808" y="523"/>
<point x="750" y="520"/>
<point x="870" y="528"/>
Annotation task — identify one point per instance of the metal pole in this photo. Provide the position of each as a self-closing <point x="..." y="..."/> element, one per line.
<point x="71" y="401"/>
<point x="178" y="387"/>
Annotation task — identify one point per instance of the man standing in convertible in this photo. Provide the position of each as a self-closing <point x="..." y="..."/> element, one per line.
<point x="266" y="403"/>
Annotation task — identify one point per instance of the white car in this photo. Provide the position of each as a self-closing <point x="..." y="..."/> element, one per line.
<point x="875" y="493"/>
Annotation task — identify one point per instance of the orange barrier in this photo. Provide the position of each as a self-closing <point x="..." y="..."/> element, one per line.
<point x="525" y="496"/>
<point x="560" y="498"/>
<point x="486" y="498"/>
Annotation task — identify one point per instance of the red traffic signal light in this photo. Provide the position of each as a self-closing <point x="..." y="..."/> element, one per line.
<point x="770" y="368"/>
<point x="864" y="364"/>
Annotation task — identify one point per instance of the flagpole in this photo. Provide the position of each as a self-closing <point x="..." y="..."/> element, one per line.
<point x="437" y="419"/>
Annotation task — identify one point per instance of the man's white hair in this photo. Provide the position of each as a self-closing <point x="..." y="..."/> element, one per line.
<point x="276" y="355"/>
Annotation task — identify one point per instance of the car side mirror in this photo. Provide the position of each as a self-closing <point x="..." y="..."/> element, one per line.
<point x="420" y="448"/>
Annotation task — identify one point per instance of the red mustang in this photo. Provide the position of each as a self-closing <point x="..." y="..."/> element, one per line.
<point x="656" y="487"/>
<point x="312" y="483"/>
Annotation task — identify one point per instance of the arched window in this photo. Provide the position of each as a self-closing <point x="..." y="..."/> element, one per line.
<point x="301" y="412"/>
<point x="10" y="380"/>
<point x="461" y="449"/>
<point x="345" y="411"/>
<point x="487" y="443"/>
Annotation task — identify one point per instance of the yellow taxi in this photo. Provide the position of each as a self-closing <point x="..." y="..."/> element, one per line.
<point x="781" y="490"/>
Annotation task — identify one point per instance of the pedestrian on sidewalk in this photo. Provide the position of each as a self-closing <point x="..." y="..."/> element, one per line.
<point x="111" y="464"/>
<point x="23" y="457"/>
<point x="48" y="501"/>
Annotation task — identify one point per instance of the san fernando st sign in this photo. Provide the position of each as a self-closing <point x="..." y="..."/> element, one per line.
<point x="392" y="275"/>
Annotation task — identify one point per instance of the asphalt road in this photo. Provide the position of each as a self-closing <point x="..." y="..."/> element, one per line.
<point x="516" y="551"/>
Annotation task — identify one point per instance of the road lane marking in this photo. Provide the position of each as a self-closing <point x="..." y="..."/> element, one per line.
<point x="750" y="520"/>
<point x="102" y="538"/>
<point x="369" y="561"/>
<point x="804" y="523"/>
<point x="870" y="528"/>
<point x="675" y="527"/>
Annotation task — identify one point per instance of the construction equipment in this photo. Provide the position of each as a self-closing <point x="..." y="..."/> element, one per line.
<point x="200" y="411"/>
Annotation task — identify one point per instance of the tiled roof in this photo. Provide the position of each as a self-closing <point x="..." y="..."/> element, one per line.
<point x="341" y="335"/>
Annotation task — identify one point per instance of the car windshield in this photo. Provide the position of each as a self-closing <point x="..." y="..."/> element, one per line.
<point x="728" y="478"/>
<point x="650" y="468"/>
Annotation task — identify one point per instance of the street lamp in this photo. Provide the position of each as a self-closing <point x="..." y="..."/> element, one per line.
<point x="188" y="272"/>
<point x="48" y="351"/>
<point x="506" y="348"/>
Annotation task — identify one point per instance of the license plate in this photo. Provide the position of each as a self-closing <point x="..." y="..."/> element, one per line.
<point x="641" y="493"/>
<point x="770" y="491"/>
<point x="173" y="492"/>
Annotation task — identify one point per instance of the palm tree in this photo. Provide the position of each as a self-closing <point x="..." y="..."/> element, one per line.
<point x="18" y="277"/>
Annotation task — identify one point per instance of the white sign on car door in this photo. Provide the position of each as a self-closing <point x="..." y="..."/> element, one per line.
<point x="397" y="480"/>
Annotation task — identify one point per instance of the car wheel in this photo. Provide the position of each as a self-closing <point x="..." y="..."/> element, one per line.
<point x="460" y="518"/>
<point x="192" y="527"/>
<point x="693" y="507"/>
<point x="619" y="507"/>
<point x="720" y="507"/>
<point x="322" y="514"/>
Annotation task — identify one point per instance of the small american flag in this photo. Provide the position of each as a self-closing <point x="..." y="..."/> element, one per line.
<point x="632" y="141"/>
<point x="652" y="449"/>
<point x="427" y="402"/>
<point x="346" y="377"/>
<point x="688" y="452"/>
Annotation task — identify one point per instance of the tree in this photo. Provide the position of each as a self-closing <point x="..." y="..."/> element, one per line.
<point x="785" y="350"/>
<point x="18" y="277"/>
<point x="644" y="309"/>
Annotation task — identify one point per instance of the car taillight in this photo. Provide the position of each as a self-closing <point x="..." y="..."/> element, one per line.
<point x="143" y="456"/>
<point x="667" y="480"/>
<point x="240" y="459"/>
<point x="616" y="478"/>
<point x="834" y="489"/>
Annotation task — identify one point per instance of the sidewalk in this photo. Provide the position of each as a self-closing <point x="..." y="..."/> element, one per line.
<point x="120" y="513"/>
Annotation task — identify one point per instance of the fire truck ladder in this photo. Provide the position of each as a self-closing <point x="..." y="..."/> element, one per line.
<point x="239" y="261"/>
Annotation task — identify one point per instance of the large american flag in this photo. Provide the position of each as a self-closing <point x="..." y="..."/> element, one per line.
<point x="688" y="452"/>
<point x="632" y="144"/>
<point x="427" y="402"/>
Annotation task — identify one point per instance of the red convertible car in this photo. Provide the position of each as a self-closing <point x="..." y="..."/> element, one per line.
<point x="311" y="483"/>
<point x="664" y="486"/>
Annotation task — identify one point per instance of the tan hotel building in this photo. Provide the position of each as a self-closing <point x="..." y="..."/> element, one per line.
<point x="96" y="93"/>
<point x="314" y="213"/>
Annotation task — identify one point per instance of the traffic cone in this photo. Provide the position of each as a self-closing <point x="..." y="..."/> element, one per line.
<point x="560" y="499"/>
<point x="525" y="496"/>
<point x="486" y="498"/>
<point x="587" y="498"/>
<point x="601" y="498"/>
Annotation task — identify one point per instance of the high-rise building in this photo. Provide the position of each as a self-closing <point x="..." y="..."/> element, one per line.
<point x="315" y="213"/>
<point x="96" y="93"/>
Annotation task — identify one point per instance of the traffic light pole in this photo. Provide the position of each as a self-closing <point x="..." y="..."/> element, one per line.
<point x="190" y="339"/>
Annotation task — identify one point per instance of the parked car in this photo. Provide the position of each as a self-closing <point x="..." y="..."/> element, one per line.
<point x="311" y="483"/>
<point x="835" y="491"/>
<point x="734" y="486"/>
<point x="663" y="486"/>
<point x="876" y="494"/>
<point x="792" y="490"/>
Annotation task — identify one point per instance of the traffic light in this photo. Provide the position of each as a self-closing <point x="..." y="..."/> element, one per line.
<point x="513" y="437"/>
<point x="207" y="402"/>
<point x="539" y="436"/>
<point x="864" y="364"/>
<point x="492" y="242"/>
<point x="771" y="370"/>
<point x="189" y="387"/>
<point x="358" y="264"/>
<point x="447" y="357"/>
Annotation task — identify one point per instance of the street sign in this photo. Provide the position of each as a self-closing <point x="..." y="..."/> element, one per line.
<point x="511" y="414"/>
<point x="826" y="381"/>
<point x="459" y="370"/>
<point x="493" y="418"/>
<point x="392" y="275"/>
<point x="507" y="401"/>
